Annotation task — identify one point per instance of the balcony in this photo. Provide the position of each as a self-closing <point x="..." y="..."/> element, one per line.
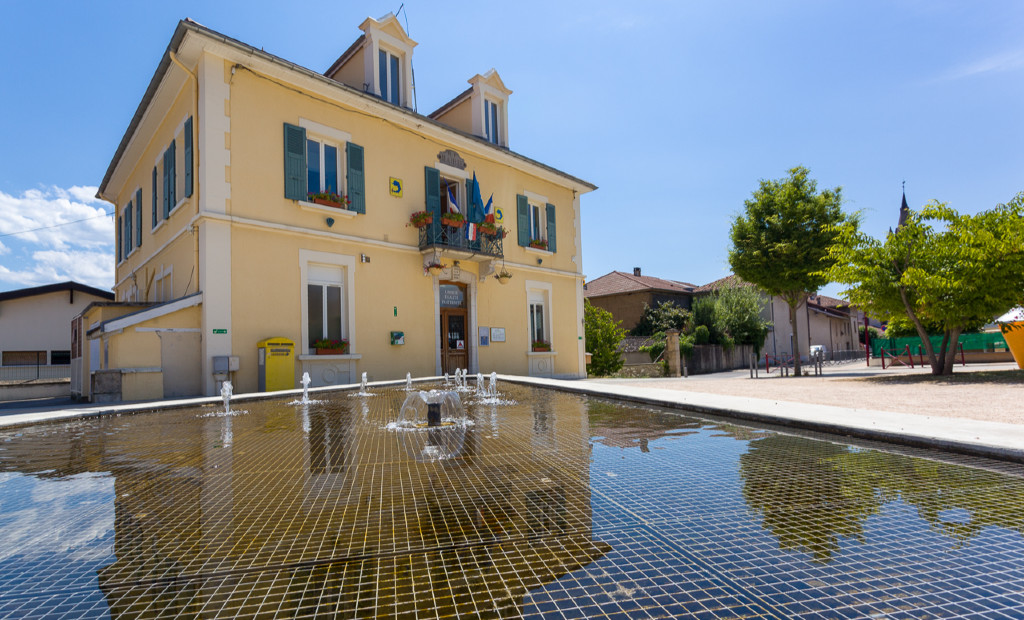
<point x="452" y="241"/>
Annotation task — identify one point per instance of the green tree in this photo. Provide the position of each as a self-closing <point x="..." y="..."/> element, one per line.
<point x="781" y="242"/>
<point x="603" y="336"/>
<point x="664" y="316"/>
<point x="738" y="314"/>
<point x="940" y="270"/>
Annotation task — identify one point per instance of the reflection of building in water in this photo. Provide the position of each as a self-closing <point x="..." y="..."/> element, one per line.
<point x="335" y="505"/>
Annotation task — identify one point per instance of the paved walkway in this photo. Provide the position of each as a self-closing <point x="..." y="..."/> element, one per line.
<point x="989" y="392"/>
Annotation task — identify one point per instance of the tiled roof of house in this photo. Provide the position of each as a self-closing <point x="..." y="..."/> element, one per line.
<point x="55" y="288"/>
<point x="828" y="302"/>
<point x="729" y="280"/>
<point x="618" y="282"/>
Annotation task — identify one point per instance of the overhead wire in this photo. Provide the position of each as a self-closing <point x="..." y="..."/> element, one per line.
<point x="84" y="219"/>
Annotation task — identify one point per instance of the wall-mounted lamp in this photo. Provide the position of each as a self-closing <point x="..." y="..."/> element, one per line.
<point x="330" y="222"/>
<point x="540" y="260"/>
<point x="363" y="258"/>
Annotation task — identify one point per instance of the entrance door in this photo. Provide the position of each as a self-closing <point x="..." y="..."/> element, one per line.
<point x="454" y="327"/>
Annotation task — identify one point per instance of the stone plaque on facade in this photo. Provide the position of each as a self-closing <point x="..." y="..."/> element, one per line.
<point x="451" y="158"/>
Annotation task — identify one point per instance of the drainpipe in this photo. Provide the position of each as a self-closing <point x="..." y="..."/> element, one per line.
<point x="195" y="160"/>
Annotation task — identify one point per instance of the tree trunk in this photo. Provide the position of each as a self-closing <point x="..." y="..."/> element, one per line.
<point x="794" y="303"/>
<point x="950" y="357"/>
<point x="933" y="361"/>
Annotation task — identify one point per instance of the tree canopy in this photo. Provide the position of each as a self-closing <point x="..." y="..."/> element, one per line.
<point x="940" y="270"/>
<point x="782" y="240"/>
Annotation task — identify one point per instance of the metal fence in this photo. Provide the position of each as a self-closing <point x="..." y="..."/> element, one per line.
<point x="985" y="341"/>
<point x="31" y="372"/>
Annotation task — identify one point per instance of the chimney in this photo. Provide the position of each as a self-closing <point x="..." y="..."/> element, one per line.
<point x="636" y="271"/>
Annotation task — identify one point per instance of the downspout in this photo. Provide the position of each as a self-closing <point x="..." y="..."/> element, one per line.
<point x="195" y="161"/>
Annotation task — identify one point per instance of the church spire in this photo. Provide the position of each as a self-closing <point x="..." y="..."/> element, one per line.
<point x="904" y="209"/>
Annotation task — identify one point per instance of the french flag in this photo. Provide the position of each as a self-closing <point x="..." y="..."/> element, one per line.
<point x="489" y="210"/>
<point x="452" y="205"/>
<point x="471" y="232"/>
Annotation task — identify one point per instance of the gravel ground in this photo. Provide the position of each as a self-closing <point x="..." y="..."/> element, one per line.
<point x="992" y="392"/>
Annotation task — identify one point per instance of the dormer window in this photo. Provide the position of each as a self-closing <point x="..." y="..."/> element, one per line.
<point x="389" y="70"/>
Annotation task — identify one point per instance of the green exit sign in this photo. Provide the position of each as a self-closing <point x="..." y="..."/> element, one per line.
<point x="220" y="331"/>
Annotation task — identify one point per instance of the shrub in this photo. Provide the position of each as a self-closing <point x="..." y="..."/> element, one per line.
<point x="665" y="316"/>
<point x="701" y="335"/>
<point x="603" y="336"/>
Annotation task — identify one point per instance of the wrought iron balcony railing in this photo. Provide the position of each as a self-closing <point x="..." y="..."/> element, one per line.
<point x="438" y="236"/>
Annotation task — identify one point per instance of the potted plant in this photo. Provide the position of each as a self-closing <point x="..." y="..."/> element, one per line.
<point x="420" y="219"/>
<point x="324" y="346"/>
<point x="540" y="244"/>
<point x="453" y="219"/>
<point x="503" y="276"/>
<point x="491" y="229"/>
<point x="329" y="199"/>
<point x="434" y="268"/>
<point x="541" y="345"/>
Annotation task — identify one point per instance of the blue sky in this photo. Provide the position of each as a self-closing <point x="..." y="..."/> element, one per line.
<point x="674" y="109"/>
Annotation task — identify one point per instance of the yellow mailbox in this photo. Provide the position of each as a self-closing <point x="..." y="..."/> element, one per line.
<point x="276" y="358"/>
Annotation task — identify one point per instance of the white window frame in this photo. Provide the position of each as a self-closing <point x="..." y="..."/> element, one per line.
<point x="390" y="53"/>
<point x="327" y="135"/>
<point x="538" y="219"/>
<point x="539" y="293"/>
<point x="460" y="194"/>
<point x="163" y="284"/>
<point x="493" y="121"/>
<point x="347" y="264"/>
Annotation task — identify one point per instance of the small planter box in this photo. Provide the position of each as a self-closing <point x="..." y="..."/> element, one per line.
<point x="338" y="351"/>
<point x="329" y="203"/>
<point x="453" y="223"/>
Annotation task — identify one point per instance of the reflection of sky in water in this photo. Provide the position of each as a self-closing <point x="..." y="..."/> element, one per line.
<point x="70" y="518"/>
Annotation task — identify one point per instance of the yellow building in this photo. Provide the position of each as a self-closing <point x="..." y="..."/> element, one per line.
<point x="222" y="238"/>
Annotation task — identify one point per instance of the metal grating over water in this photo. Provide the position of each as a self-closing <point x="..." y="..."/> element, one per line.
<point x="557" y="506"/>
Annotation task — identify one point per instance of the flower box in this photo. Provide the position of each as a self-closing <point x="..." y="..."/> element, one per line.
<point x="541" y="347"/>
<point x="540" y="244"/>
<point x="328" y="199"/>
<point x="454" y="222"/>
<point x="331" y="347"/>
<point x="421" y="219"/>
<point x="491" y="230"/>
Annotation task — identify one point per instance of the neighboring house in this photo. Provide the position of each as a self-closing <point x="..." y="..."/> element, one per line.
<point x="624" y="295"/>
<point x="822" y="320"/>
<point x="219" y="232"/>
<point x="34" y="326"/>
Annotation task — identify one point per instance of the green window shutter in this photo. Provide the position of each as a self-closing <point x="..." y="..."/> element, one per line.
<point x="432" y="190"/>
<point x="523" y="219"/>
<point x="128" y="230"/>
<point x="294" y="162"/>
<point x="156" y="207"/>
<point x="172" y="184"/>
<point x="432" y="183"/>
<point x="117" y="238"/>
<point x="467" y="208"/>
<point x="355" y="177"/>
<point x="138" y="217"/>
<point x="166" y="207"/>
<point x="188" y="157"/>
<point x="551" y="228"/>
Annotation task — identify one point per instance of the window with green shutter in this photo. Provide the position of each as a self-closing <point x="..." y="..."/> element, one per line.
<point x="294" y="162"/>
<point x="117" y="239"/>
<point x="188" y="157"/>
<point x="550" y="232"/>
<point x="155" y="206"/>
<point x="355" y="178"/>
<point x="138" y="218"/>
<point x="523" y="219"/>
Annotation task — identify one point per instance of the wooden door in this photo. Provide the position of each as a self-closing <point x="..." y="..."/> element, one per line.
<point x="454" y="340"/>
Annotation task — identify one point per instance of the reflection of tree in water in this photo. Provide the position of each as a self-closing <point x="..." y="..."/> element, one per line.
<point x="805" y="501"/>
<point x="811" y="494"/>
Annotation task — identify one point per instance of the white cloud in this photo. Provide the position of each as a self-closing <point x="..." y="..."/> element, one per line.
<point x="997" y="63"/>
<point x="55" y="234"/>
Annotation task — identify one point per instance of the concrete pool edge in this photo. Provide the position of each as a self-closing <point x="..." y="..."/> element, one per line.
<point x="994" y="440"/>
<point x="990" y="439"/>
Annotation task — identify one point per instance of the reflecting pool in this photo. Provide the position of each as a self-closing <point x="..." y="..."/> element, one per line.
<point x="538" y="504"/>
